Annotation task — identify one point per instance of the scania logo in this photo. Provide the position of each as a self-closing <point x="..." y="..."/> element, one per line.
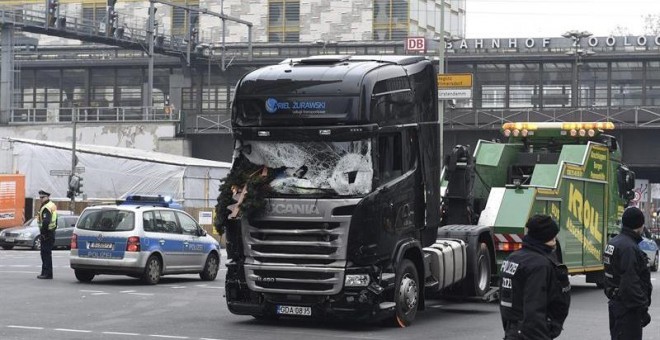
<point x="271" y="105"/>
<point x="294" y="208"/>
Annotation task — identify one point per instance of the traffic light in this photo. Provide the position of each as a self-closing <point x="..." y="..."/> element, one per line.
<point x="75" y="183"/>
<point x="193" y="29"/>
<point x="80" y="185"/>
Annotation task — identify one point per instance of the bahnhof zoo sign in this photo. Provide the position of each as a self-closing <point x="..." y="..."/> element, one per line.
<point x="537" y="44"/>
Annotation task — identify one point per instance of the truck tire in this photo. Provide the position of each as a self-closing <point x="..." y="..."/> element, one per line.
<point x="478" y="283"/>
<point x="406" y="293"/>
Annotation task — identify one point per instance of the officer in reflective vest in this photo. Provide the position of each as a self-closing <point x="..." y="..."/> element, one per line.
<point x="47" y="224"/>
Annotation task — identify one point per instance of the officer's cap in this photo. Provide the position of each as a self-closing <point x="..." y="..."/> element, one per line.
<point x="44" y="193"/>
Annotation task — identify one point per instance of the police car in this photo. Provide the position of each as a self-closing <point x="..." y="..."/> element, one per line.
<point x="143" y="237"/>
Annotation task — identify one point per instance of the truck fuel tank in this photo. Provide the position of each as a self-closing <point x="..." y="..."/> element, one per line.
<point x="446" y="261"/>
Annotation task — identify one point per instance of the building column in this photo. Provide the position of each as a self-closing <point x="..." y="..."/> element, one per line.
<point x="6" y="72"/>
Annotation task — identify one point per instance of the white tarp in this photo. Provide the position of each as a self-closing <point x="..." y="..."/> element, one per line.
<point x="113" y="173"/>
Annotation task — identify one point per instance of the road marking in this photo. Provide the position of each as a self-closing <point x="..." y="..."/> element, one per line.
<point x="24" y="327"/>
<point x="143" y="294"/>
<point x="210" y="287"/>
<point x="168" y="336"/>
<point x="120" y="333"/>
<point x="72" y="330"/>
<point x="127" y="291"/>
<point x="91" y="291"/>
<point x="100" y="293"/>
<point x="178" y="287"/>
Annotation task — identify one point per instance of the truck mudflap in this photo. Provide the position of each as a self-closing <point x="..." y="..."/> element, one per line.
<point x="446" y="262"/>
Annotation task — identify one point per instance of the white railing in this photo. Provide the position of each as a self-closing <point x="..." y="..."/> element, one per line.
<point x="93" y="114"/>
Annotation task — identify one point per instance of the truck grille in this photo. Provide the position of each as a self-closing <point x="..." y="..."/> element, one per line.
<point x="297" y="254"/>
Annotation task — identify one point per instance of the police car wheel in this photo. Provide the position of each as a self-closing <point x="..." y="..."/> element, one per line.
<point x="406" y="294"/>
<point x="152" y="270"/>
<point x="36" y="245"/>
<point x="211" y="267"/>
<point x="84" y="275"/>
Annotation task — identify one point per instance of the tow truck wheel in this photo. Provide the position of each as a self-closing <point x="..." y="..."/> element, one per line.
<point x="151" y="274"/>
<point x="406" y="295"/>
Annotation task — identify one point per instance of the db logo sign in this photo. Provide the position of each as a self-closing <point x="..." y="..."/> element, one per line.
<point x="416" y="44"/>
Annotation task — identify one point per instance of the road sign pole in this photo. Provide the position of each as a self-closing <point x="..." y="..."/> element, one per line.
<point x="74" y="113"/>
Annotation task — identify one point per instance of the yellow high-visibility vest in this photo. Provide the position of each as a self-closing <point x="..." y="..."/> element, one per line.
<point x="53" y="215"/>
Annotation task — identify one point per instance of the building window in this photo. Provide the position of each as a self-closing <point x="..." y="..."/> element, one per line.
<point x="93" y="11"/>
<point x="180" y="20"/>
<point x="283" y="21"/>
<point x="391" y="19"/>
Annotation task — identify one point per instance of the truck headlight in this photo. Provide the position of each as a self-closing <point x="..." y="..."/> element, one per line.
<point x="357" y="280"/>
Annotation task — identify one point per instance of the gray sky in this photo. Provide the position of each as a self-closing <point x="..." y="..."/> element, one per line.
<point x="551" y="18"/>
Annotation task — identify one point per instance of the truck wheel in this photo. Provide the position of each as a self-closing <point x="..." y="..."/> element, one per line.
<point x="481" y="272"/>
<point x="406" y="294"/>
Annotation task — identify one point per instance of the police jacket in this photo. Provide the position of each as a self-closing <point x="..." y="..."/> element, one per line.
<point x="534" y="292"/>
<point x="627" y="276"/>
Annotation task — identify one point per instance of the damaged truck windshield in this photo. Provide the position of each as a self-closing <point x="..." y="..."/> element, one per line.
<point x="315" y="168"/>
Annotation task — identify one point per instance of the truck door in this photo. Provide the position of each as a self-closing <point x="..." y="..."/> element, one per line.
<point x="398" y="171"/>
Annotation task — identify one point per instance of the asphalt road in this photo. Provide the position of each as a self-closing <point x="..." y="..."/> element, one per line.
<point x="184" y="307"/>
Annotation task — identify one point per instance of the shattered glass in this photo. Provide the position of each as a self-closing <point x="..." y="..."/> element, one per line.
<point x="342" y="168"/>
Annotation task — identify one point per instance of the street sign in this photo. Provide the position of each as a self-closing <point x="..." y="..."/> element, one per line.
<point x="79" y="170"/>
<point x="457" y="80"/>
<point x="416" y="44"/>
<point x="454" y="93"/>
<point x="60" y="172"/>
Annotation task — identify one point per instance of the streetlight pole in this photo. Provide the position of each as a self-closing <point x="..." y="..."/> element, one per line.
<point x="576" y="36"/>
<point x="441" y="70"/>
<point x="74" y="160"/>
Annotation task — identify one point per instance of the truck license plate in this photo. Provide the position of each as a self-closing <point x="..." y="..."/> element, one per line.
<point x="294" y="310"/>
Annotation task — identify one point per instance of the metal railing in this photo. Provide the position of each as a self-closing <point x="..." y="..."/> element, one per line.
<point x="93" y="114"/>
<point x="133" y="34"/>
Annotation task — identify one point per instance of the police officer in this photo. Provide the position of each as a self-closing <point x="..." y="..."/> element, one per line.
<point x="628" y="279"/>
<point x="534" y="286"/>
<point x="47" y="224"/>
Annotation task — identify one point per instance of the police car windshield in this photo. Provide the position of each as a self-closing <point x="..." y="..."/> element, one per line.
<point x="316" y="168"/>
<point x="107" y="220"/>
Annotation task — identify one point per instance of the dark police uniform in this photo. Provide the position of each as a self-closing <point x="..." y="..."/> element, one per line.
<point x="627" y="285"/>
<point x="534" y="291"/>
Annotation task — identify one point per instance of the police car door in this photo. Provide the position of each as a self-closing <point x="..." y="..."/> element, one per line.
<point x="170" y="239"/>
<point x="194" y="246"/>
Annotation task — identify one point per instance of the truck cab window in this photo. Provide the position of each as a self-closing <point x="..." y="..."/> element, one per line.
<point x="390" y="157"/>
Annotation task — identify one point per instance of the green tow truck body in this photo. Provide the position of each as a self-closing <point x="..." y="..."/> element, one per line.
<point x="570" y="171"/>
